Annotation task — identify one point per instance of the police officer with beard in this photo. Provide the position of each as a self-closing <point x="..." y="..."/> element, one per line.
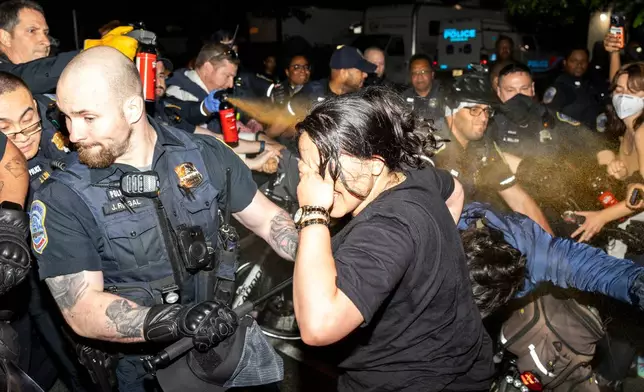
<point x="526" y="128"/>
<point x="574" y="95"/>
<point x="470" y="155"/>
<point x="120" y="263"/>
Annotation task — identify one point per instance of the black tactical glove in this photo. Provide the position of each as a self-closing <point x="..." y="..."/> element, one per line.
<point x="207" y="323"/>
<point x="14" y="248"/>
<point x="636" y="292"/>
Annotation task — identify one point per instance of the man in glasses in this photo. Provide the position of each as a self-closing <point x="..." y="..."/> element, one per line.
<point x="424" y="96"/>
<point x="471" y="157"/>
<point x="23" y="120"/>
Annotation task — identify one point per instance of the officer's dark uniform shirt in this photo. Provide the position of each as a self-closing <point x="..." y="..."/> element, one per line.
<point x="96" y="232"/>
<point x="179" y="114"/>
<point x="480" y="167"/>
<point x="430" y="107"/>
<point x="53" y="146"/>
<point x="578" y="99"/>
<point x="41" y="76"/>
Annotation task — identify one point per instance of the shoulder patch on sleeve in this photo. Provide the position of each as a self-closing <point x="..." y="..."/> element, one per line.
<point x="37" y="215"/>
<point x="567" y="119"/>
<point x="602" y="121"/>
<point x="549" y="95"/>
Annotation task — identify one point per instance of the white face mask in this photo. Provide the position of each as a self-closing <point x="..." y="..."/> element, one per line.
<point x="627" y="105"/>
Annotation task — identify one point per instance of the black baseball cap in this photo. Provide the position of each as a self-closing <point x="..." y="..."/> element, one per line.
<point x="346" y="57"/>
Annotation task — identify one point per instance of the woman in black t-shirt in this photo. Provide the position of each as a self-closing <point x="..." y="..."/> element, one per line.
<point x="393" y="282"/>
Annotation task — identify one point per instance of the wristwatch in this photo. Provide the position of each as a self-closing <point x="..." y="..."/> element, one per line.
<point x="304" y="212"/>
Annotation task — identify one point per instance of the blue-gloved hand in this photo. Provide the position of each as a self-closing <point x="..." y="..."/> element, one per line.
<point x="212" y="101"/>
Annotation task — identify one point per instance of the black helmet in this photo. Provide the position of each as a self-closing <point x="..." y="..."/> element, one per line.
<point x="473" y="87"/>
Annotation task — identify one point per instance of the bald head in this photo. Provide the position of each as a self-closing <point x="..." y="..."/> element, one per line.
<point x="376" y="56"/>
<point x="104" y="67"/>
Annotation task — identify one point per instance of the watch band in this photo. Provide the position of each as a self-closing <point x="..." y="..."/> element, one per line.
<point x="316" y="221"/>
<point x="262" y="146"/>
<point x="308" y="210"/>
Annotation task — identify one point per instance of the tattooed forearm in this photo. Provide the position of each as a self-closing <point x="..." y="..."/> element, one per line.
<point x="67" y="289"/>
<point x="17" y="166"/>
<point x="126" y="319"/>
<point x="1" y="185"/>
<point x="283" y="236"/>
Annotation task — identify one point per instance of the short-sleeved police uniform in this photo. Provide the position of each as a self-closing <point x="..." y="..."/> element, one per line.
<point x="480" y="167"/>
<point x="79" y="226"/>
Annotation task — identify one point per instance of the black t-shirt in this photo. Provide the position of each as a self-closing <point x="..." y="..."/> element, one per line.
<point x="401" y="262"/>
<point x="74" y="240"/>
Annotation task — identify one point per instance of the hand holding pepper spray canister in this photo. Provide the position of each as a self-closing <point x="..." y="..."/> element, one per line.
<point x="228" y="120"/>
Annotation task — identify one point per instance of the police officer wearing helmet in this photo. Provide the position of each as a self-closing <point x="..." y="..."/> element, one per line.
<point x="574" y="95"/>
<point x="424" y="96"/>
<point x="25" y="120"/>
<point x="471" y="156"/>
<point x="117" y="263"/>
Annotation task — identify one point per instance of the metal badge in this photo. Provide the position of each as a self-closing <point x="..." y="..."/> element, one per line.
<point x="433" y="103"/>
<point x="189" y="176"/>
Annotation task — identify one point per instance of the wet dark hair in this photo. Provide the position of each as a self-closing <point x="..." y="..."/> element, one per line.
<point x="497" y="270"/>
<point x="372" y="122"/>
<point x="635" y="72"/>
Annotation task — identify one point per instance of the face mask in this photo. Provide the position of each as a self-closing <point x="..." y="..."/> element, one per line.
<point x="627" y="105"/>
<point x="521" y="110"/>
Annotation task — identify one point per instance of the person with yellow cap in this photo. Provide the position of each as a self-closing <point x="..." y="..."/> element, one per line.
<point x="25" y="45"/>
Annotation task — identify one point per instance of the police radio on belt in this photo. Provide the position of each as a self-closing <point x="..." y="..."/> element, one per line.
<point x="146" y="59"/>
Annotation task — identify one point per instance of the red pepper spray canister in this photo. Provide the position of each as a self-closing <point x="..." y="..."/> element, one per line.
<point x="146" y="63"/>
<point x="228" y="120"/>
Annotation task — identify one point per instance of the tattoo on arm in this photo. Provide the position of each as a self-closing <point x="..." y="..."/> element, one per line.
<point x="67" y="289"/>
<point x="17" y="166"/>
<point x="126" y="319"/>
<point x="283" y="235"/>
<point x="1" y="185"/>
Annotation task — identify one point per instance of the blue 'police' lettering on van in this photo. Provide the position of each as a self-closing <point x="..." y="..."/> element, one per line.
<point x="455" y="35"/>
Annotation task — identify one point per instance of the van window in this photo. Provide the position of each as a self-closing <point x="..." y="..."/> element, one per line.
<point x="434" y="28"/>
<point x="396" y="46"/>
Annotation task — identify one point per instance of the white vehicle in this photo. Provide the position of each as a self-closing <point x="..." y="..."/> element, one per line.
<point x="318" y="26"/>
<point x="411" y="29"/>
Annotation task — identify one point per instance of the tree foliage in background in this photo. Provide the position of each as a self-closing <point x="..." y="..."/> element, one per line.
<point x="566" y="11"/>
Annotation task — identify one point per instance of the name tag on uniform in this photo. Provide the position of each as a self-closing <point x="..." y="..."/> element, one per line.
<point x="118" y="206"/>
